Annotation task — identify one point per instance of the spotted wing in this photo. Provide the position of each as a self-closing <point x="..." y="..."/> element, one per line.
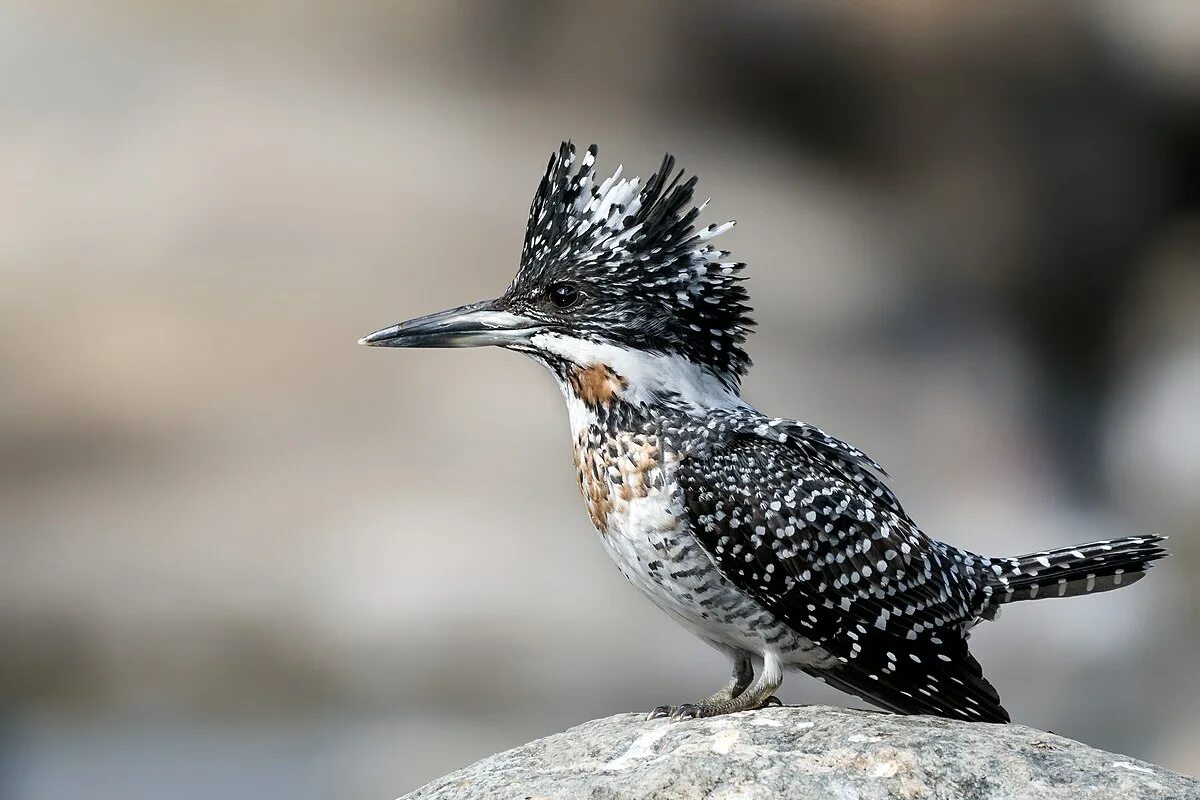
<point x="804" y="524"/>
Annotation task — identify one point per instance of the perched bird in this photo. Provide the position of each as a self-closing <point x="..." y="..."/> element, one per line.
<point x="771" y="540"/>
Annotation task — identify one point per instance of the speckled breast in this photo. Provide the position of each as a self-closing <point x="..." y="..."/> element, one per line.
<point x="615" y="468"/>
<point x="628" y="482"/>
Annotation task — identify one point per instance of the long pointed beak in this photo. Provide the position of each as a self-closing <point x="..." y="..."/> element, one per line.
<point x="476" y="325"/>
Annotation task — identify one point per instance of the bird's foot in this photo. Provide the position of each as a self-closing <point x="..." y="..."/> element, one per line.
<point x="702" y="709"/>
<point x="679" y="712"/>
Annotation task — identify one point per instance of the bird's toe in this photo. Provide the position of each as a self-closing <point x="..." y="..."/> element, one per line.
<point x="659" y="712"/>
<point x="685" y="711"/>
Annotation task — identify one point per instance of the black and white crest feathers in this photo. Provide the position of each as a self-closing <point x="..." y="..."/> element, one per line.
<point x="651" y="279"/>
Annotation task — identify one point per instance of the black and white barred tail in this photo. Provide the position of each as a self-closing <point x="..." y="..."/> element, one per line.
<point x="1070" y="571"/>
<point x="934" y="673"/>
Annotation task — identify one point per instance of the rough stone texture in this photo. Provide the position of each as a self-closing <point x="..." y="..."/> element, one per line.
<point x="806" y="752"/>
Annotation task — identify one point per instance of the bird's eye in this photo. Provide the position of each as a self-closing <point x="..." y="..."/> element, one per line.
<point x="563" y="295"/>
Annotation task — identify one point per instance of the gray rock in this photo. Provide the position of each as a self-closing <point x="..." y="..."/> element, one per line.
<point x="806" y="752"/>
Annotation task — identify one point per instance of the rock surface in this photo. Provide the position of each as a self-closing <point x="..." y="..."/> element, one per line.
<point x="806" y="752"/>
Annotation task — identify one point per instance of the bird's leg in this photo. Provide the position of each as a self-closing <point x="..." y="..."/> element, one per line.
<point x="739" y="679"/>
<point x="743" y="674"/>
<point x="759" y="694"/>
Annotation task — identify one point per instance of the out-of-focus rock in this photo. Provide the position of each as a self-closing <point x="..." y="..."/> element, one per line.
<point x="806" y="752"/>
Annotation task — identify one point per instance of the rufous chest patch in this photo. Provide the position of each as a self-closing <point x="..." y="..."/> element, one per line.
<point x="615" y="469"/>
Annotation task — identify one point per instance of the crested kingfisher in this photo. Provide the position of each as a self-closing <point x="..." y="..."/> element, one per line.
<point x="773" y="541"/>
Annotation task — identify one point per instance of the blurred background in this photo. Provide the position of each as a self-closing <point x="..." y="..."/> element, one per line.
<point x="244" y="557"/>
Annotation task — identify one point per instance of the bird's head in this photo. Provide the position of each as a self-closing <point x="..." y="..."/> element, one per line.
<point x="613" y="273"/>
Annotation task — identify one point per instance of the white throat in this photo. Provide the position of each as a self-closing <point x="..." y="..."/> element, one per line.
<point x="646" y="376"/>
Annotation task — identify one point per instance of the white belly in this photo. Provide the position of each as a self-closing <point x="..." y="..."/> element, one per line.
<point x="656" y="551"/>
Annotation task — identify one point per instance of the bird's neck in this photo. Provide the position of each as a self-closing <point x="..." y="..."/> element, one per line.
<point x="608" y="382"/>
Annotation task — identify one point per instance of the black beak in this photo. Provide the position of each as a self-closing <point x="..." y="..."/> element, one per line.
<point x="475" y="325"/>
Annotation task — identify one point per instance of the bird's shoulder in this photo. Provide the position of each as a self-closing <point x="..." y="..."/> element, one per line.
<point x="749" y="447"/>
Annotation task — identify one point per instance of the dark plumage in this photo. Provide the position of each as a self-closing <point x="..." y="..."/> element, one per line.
<point x="822" y="543"/>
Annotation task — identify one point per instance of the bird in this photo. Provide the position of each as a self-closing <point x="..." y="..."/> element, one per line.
<point x="776" y="543"/>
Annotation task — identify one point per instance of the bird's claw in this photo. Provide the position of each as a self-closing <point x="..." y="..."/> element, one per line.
<point x="772" y="702"/>
<point x="659" y="712"/>
<point x="685" y="711"/>
<point x="676" y="713"/>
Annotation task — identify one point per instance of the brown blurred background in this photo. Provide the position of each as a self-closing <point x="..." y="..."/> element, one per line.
<point x="244" y="557"/>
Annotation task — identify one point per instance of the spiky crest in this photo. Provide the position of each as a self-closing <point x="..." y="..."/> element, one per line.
<point x="655" y="282"/>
